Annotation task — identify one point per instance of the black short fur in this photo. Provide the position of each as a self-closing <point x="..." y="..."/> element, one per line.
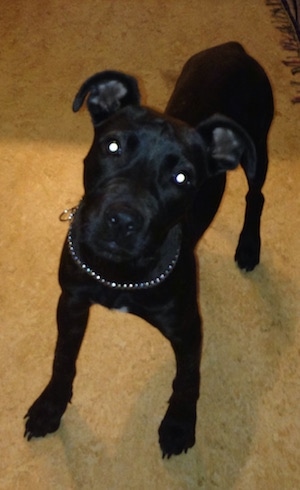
<point x="153" y="183"/>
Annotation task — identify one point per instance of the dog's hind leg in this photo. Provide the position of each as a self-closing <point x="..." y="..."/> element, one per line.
<point x="247" y="254"/>
<point x="45" y="414"/>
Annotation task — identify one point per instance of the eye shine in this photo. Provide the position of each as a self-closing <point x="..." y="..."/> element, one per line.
<point x="180" y="178"/>
<point x="114" y="147"/>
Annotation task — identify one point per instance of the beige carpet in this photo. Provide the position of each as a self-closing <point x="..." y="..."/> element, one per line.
<point x="248" y="431"/>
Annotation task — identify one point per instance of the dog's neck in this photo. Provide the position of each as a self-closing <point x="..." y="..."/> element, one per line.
<point x="162" y="269"/>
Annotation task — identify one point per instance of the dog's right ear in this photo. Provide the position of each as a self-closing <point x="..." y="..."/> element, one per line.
<point x="108" y="91"/>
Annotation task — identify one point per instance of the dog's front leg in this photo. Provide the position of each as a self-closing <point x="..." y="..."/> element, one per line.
<point x="45" y="414"/>
<point x="177" y="430"/>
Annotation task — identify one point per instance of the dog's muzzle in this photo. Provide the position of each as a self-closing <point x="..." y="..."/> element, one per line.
<point x="170" y="251"/>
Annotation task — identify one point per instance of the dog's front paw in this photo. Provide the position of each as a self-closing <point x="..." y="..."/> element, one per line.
<point x="176" y="433"/>
<point x="247" y="253"/>
<point x="44" y="416"/>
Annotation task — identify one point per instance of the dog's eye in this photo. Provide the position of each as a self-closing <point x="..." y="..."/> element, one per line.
<point x="181" y="178"/>
<point x="114" y="147"/>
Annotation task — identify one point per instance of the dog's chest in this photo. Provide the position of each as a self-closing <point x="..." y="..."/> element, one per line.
<point x="114" y="300"/>
<point x="122" y="309"/>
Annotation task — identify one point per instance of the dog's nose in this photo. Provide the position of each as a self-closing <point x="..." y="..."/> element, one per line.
<point x="123" y="221"/>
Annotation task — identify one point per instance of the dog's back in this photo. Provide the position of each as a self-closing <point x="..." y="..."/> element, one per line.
<point x="224" y="79"/>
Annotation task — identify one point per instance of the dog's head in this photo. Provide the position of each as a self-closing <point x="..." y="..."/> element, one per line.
<point x="143" y="169"/>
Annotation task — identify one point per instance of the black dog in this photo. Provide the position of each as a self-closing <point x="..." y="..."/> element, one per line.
<point x="153" y="183"/>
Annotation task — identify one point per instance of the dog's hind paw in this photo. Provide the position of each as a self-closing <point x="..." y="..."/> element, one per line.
<point x="247" y="254"/>
<point x="176" y="435"/>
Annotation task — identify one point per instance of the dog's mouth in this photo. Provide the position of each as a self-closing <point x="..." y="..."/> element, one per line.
<point x="116" y="266"/>
<point x="113" y="252"/>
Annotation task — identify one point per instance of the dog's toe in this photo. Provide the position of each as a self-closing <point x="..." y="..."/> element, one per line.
<point x="44" y="416"/>
<point x="246" y="259"/>
<point x="176" y="436"/>
<point x="247" y="253"/>
<point x="40" y="421"/>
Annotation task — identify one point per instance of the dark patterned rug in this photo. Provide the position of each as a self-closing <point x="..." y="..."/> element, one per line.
<point x="285" y="15"/>
<point x="293" y="7"/>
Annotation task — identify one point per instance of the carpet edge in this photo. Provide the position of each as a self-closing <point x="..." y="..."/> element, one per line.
<point x="290" y="41"/>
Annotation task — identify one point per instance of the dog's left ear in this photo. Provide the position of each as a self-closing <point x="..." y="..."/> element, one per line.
<point x="227" y="145"/>
<point x="108" y="91"/>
